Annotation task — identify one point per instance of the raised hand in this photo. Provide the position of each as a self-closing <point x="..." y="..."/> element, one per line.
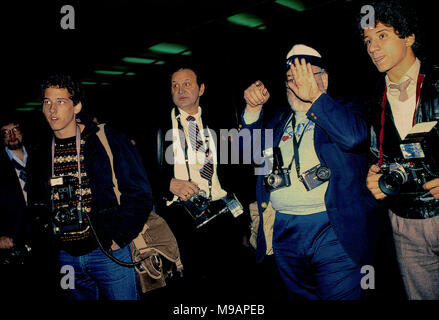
<point x="304" y="85"/>
<point x="256" y="96"/>
<point x="6" y="242"/>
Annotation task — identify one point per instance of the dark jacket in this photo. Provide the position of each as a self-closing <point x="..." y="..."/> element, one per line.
<point x="12" y="203"/>
<point x="428" y="110"/>
<point x="339" y="140"/>
<point x="123" y="222"/>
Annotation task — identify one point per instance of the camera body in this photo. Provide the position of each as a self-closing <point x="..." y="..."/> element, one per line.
<point x="315" y="176"/>
<point x="196" y="205"/>
<point x="66" y="217"/>
<point x="279" y="177"/>
<point x="405" y="177"/>
<point x="407" y="174"/>
<point x="202" y="210"/>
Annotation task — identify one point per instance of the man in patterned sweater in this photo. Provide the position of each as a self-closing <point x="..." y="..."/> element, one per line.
<point x="79" y="162"/>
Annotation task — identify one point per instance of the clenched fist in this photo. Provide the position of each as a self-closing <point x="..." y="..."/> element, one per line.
<point x="6" y="242"/>
<point x="256" y="96"/>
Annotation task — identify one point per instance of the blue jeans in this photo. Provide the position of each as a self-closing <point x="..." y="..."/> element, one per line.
<point x="311" y="260"/>
<point x="96" y="277"/>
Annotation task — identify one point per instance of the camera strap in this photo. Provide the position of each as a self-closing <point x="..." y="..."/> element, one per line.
<point x="296" y="144"/>
<point x="186" y="156"/>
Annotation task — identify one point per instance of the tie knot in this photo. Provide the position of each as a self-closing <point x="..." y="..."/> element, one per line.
<point x="190" y="118"/>
<point x="402" y="86"/>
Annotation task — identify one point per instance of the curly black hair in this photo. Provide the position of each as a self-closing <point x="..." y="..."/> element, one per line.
<point x="397" y="14"/>
<point x="62" y="80"/>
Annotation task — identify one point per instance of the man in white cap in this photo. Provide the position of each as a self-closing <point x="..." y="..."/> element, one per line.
<point x="325" y="226"/>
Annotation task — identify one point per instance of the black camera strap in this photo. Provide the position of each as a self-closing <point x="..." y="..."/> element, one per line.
<point x="185" y="149"/>
<point x="296" y="144"/>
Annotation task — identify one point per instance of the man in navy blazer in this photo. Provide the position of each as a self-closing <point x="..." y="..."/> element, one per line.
<point x="325" y="229"/>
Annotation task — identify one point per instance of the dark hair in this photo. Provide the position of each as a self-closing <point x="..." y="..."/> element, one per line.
<point x="9" y="118"/>
<point x="64" y="81"/>
<point x="195" y="68"/>
<point x="397" y="14"/>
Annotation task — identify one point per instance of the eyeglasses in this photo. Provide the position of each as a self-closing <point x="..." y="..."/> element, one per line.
<point x="7" y="132"/>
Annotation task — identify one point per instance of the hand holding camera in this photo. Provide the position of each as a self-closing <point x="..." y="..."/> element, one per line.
<point x="372" y="182"/>
<point x="183" y="189"/>
<point x="433" y="187"/>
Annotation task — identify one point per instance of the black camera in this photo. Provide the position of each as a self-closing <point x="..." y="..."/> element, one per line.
<point x="66" y="217"/>
<point x="279" y="177"/>
<point x="408" y="174"/>
<point x="202" y="210"/>
<point x="197" y="204"/>
<point x="395" y="175"/>
<point x="315" y="176"/>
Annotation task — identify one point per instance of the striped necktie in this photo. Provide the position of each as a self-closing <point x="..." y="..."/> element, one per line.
<point x="22" y="173"/>
<point x="206" y="171"/>
<point x="194" y="134"/>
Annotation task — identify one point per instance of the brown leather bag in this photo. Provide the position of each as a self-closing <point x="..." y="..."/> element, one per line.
<point x="155" y="242"/>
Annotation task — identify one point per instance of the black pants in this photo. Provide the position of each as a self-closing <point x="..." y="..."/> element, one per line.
<point x="213" y="256"/>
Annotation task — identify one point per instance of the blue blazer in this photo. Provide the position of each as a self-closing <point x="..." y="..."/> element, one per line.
<point x="340" y="140"/>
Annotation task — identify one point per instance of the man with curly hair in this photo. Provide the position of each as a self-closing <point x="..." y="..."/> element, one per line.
<point x="407" y="95"/>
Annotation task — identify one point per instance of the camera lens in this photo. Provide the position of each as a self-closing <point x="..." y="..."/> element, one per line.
<point x="390" y="184"/>
<point x="62" y="215"/>
<point x="274" y="180"/>
<point x="200" y="201"/>
<point x="323" y="173"/>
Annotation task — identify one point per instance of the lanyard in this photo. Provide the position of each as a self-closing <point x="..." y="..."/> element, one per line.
<point x="383" y="116"/>
<point x="186" y="157"/>
<point x="296" y="144"/>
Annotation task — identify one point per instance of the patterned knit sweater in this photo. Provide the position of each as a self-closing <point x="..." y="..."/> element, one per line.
<point x="65" y="164"/>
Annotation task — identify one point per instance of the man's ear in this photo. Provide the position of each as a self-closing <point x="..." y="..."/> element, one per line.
<point x="202" y="87"/>
<point x="77" y="108"/>
<point x="325" y="80"/>
<point x="410" y="40"/>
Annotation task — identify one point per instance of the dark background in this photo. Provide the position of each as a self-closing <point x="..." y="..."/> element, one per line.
<point x="231" y="56"/>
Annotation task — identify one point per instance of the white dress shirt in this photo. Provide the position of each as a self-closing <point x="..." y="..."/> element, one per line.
<point x="403" y="111"/>
<point x="196" y="158"/>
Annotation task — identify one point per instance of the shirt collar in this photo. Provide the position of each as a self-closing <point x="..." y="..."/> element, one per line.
<point x="184" y="114"/>
<point x="412" y="73"/>
<point x="13" y="155"/>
